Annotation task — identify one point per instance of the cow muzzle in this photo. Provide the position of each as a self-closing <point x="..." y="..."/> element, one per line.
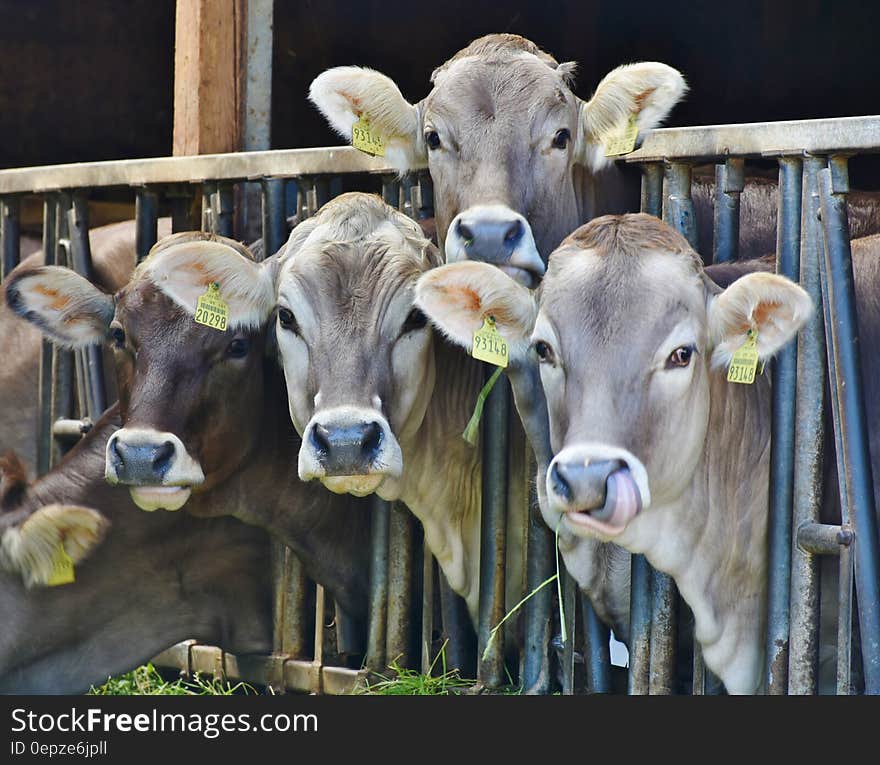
<point x="350" y="450"/>
<point x="157" y="468"/>
<point x="496" y="234"/>
<point x="597" y="490"/>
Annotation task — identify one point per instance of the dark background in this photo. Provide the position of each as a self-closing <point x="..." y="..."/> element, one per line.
<point x="92" y="79"/>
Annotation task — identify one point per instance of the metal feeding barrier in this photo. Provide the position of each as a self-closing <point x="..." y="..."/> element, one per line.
<point x="408" y="596"/>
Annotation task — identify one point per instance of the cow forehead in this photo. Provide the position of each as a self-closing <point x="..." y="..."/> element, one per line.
<point x="613" y="299"/>
<point x="517" y="84"/>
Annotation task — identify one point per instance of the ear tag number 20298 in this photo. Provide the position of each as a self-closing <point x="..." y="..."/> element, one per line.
<point x="62" y="568"/>
<point x="211" y="310"/>
<point x="744" y="362"/>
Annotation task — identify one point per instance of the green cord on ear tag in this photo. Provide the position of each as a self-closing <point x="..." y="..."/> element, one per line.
<point x="473" y="426"/>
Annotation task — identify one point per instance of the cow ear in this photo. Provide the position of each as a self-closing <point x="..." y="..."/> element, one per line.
<point x="770" y="305"/>
<point x="64" y="305"/>
<point x="458" y="297"/>
<point x="32" y="548"/>
<point x="346" y="94"/>
<point x="185" y="266"/>
<point x="645" y="92"/>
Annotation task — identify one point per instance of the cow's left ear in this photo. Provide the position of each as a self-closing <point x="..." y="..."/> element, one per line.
<point x="643" y="92"/>
<point x="770" y="305"/>
<point x="458" y="297"/>
<point x="184" y="267"/>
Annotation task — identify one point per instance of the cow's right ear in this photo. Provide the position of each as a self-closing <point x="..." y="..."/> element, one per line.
<point x="64" y="305"/>
<point x="458" y="297"/>
<point x="345" y="94"/>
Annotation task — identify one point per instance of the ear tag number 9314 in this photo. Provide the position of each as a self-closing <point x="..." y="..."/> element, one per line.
<point x="623" y="142"/>
<point x="366" y="140"/>
<point x="488" y="344"/>
<point x="744" y="362"/>
<point x="211" y="310"/>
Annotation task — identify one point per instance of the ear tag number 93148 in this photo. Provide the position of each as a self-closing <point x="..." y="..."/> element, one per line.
<point x="211" y="310"/>
<point x="488" y="344"/>
<point x="366" y="140"/>
<point x="623" y="142"/>
<point x="744" y="362"/>
<point x="62" y="568"/>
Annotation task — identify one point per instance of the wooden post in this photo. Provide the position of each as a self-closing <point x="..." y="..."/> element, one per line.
<point x="208" y="82"/>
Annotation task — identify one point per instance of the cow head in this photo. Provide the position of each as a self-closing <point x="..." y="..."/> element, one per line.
<point x="505" y="138"/>
<point x="188" y="392"/>
<point x="356" y="352"/>
<point x="631" y="338"/>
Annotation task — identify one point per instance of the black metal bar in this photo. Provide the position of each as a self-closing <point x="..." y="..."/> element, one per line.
<point x="401" y="563"/>
<point x="146" y="215"/>
<point x="597" y="652"/>
<point x="183" y="208"/>
<point x="426" y="197"/>
<point x="219" y="208"/>
<point x="428" y="568"/>
<point x="458" y="630"/>
<point x="640" y="627"/>
<point x="44" y="419"/>
<point x="274" y="222"/>
<point x="782" y="428"/>
<point x="81" y="254"/>
<point x="493" y="510"/>
<point x="678" y="211"/>
<point x="539" y="567"/>
<point x="844" y="621"/>
<point x="652" y="189"/>
<point x="809" y="447"/>
<point x="859" y="484"/>
<point x="378" y="623"/>
<point x="10" y="233"/>
<point x="568" y="611"/>
<point x="664" y="631"/>
<point x="391" y="190"/>
<point x="729" y="180"/>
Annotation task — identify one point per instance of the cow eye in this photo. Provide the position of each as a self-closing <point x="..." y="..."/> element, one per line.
<point x="432" y="139"/>
<point x="415" y="319"/>
<point x="680" y="357"/>
<point x="238" y="348"/>
<point x="544" y="352"/>
<point x="287" y="320"/>
<point x="117" y="335"/>
<point x="561" y="139"/>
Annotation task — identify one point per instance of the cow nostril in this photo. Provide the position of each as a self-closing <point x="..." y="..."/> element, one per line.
<point x="115" y="453"/>
<point x="372" y="439"/>
<point x="465" y="232"/>
<point x="163" y="458"/>
<point x="560" y="485"/>
<point x="514" y="233"/>
<point x="320" y="438"/>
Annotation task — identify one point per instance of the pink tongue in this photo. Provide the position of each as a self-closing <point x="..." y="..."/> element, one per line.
<point x="624" y="494"/>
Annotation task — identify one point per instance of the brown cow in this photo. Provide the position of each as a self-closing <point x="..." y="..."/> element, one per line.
<point x="200" y="407"/>
<point x="156" y="579"/>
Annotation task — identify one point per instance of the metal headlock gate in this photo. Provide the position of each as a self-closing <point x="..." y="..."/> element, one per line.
<point x="812" y="158"/>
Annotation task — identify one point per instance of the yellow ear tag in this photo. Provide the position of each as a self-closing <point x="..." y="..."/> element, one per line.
<point x="367" y="140"/>
<point x="62" y="568"/>
<point x="489" y="345"/>
<point x="745" y="361"/>
<point x="211" y="310"/>
<point x="622" y="143"/>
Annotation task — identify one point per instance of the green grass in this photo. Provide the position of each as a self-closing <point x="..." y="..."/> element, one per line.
<point x="147" y="681"/>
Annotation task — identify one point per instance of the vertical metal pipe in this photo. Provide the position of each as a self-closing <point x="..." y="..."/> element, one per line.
<point x="678" y="211"/>
<point x="652" y="189"/>
<point x="63" y="380"/>
<point x="293" y="598"/>
<point x="597" y="654"/>
<point x="184" y="211"/>
<point x="318" y="660"/>
<point x="274" y="223"/>
<point x="376" y="632"/>
<point x="858" y="485"/>
<point x="640" y="627"/>
<point x="568" y="614"/>
<point x="427" y="608"/>
<point x="699" y="679"/>
<point x="44" y="420"/>
<point x="322" y="191"/>
<point x="426" y="197"/>
<point x="81" y="254"/>
<point x="844" y="621"/>
<point x="219" y="208"/>
<point x="401" y="560"/>
<point x="729" y="181"/>
<point x="391" y="190"/>
<point x="664" y="631"/>
<point x="782" y="425"/>
<point x="493" y="515"/>
<point x="809" y="447"/>
<point x="146" y="215"/>
<point x="458" y="630"/>
<point x="539" y="567"/>
<point x="10" y="233"/>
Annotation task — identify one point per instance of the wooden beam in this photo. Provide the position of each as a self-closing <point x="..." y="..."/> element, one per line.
<point x="208" y="82"/>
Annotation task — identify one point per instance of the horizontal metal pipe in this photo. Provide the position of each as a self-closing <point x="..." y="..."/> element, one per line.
<point x="823" y="538"/>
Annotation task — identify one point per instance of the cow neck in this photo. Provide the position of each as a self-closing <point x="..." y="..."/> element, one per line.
<point x="442" y="472"/>
<point x="329" y="535"/>
<point x="63" y="639"/>
<point x="719" y="528"/>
